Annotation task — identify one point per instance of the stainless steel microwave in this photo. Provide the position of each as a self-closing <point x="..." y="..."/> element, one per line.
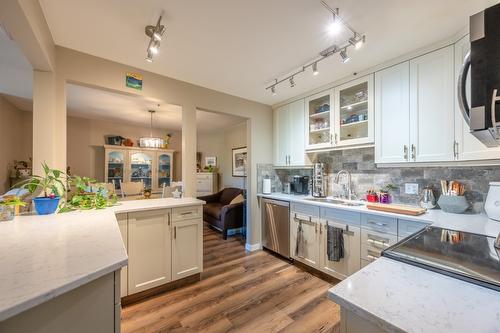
<point x="482" y="114"/>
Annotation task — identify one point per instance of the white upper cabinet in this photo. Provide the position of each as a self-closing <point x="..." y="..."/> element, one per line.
<point x="432" y="95"/>
<point x="468" y="147"/>
<point x="319" y="121"/>
<point x="392" y="114"/>
<point x="353" y="113"/>
<point x="289" y="138"/>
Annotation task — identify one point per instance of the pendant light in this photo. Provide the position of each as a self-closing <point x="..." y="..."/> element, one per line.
<point x="151" y="142"/>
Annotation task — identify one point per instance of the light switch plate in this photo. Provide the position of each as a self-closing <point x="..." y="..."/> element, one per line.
<point x="411" y="188"/>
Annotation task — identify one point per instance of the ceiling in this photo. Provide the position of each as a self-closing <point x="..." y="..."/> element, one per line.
<point x="91" y="103"/>
<point x="240" y="46"/>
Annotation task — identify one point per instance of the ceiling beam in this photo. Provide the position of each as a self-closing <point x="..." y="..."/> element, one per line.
<point x="25" y="23"/>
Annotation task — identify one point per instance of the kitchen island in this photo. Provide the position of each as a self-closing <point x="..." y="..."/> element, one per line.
<point x="64" y="269"/>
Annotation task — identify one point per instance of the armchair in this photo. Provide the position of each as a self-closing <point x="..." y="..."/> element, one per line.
<point x="220" y="213"/>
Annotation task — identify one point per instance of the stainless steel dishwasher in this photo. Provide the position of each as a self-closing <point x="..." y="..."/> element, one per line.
<point x="276" y="226"/>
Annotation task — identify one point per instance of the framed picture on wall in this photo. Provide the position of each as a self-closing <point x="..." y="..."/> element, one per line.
<point x="211" y="161"/>
<point x="240" y="162"/>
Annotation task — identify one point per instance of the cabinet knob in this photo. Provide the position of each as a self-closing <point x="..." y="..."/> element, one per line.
<point x="413" y="152"/>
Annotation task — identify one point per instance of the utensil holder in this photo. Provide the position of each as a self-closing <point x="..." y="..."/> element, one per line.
<point x="453" y="204"/>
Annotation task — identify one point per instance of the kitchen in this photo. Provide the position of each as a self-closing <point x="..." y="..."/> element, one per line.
<point x="371" y="171"/>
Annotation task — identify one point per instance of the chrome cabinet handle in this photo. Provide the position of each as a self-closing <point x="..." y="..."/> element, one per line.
<point x="380" y="224"/>
<point x="331" y="138"/>
<point x="186" y="213"/>
<point x="376" y="243"/>
<point x="461" y="86"/>
<point x="372" y="258"/>
<point x="336" y="140"/>
<point x="168" y="217"/>
<point x="494" y="99"/>
<point x="175" y="232"/>
<point x="413" y="152"/>
<point x="405" y="152"/>
<point x="455" y="149"/>
<point x="320" y="229"/>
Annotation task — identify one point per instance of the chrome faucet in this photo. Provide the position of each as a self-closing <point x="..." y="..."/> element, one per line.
<point x="348" y="174"/>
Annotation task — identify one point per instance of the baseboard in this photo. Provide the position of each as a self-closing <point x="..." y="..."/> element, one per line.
<point x="253" y="247"/>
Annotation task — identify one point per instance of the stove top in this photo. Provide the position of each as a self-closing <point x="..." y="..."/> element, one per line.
<point x="466" y="256"/>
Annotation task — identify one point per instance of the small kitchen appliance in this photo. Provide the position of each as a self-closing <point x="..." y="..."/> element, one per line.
<point x="287" y="188"/>
<point x="427" y="198"/>
<point x="318" y="181"/>
<point x="266" y="185"/>
<point x="482" y="114"/>
<point x="492" y="204"/>
<point x="301" y="185"/>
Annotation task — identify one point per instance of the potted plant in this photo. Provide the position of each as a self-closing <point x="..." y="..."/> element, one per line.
<point x="51" y="185"/>
<point x="8" y="206"/>
<point x="371" y="196"/>
<point x="88" y="195"/>
<point x="384" y="193"/>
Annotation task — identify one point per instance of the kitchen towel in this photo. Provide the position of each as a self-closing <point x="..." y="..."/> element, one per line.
<point x="335" y="243"/>
<point x="300" y="242"/>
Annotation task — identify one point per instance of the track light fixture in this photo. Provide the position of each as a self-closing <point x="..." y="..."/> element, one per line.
<point x="344" y="57"/>
<point x="356" y="41"/>
<point x="155" y="34"/>
<point x="315" y="68"/>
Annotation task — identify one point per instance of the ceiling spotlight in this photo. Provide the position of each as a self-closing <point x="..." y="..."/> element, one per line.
<point x="358" y="43"/>
<point x="149" y="57"/>
<point x="335" y="26"/>
<point x="155" y="33"/>
<point x="315" y="68"/>
<point x="273" y="90"/>
<point x="155" y="47"/>
<point x="292" y="82"/>
<point x="344" y="57"/>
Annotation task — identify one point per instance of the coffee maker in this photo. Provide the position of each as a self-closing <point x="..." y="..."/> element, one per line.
<point x="300" y="185"/>
<point x="319" y="181"/>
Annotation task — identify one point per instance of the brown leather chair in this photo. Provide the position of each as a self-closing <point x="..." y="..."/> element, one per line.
<point x="220" y="214"/>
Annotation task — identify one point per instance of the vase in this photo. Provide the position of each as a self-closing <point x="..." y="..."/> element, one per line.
<point x="6" y="213"/>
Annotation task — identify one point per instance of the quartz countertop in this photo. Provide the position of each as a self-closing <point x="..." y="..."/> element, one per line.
<point x="403" y="298"/>
<point x="42" y="257"/>
<point x="474" y="223"/>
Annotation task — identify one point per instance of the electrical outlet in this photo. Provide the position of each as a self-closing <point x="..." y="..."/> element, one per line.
<point x="411" y="188"/>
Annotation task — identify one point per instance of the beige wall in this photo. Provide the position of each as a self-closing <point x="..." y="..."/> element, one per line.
<point x="86" y="137"/>
<point x="221" y="145"/>
<point x="15" y="139"/>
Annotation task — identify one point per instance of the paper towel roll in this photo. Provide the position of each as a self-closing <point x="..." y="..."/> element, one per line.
<point x="266" y="186"/>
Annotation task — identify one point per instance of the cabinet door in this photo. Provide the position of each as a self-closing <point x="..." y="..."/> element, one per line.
<point x="123" y="225"/>
<point x="392" y="114"/>
<point x="432" y="106"/>
<point x="296" y="135"/>
<point x="354" y="123"/>
<point x="149" y="249"/>
<point x="352" y="252"/>
<point x="309" y="249"/>
<point x="164" y="163"/>
<point x="142" y="167"/>
<point x="187" y="248"/>
<point x="319" y="120"/>
<point x="115" y="163"/>
<point x="469" y="148"/>
<point x="281" y="120"/>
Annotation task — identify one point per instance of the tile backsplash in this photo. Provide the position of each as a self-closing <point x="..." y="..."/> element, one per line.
<point x="366" y="175"/>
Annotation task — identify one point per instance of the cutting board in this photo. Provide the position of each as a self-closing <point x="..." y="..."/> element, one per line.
<point x="398" y="209"/>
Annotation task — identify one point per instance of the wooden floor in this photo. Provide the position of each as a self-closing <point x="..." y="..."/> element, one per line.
<point x="238" y="292"/>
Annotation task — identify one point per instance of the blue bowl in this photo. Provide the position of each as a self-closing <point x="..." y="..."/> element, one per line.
<point x="45" y="206"/>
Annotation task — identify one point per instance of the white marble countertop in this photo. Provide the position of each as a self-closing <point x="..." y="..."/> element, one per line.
<point x="474" y="223"/>
<point x="42" y="257"/>
<point x="403" y="298"/>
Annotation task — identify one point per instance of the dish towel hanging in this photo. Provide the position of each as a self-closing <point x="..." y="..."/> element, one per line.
<point x="335" y="243"/>
<point x="300" y="243"/>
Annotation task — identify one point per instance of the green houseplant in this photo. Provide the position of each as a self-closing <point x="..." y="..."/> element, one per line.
<point x="88" y="194"/>
<point x="8" y="206"/>
<point x="50" y="184"/>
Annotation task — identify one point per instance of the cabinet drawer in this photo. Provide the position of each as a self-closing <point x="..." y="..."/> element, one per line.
<point x="204" y="177"/>
<point x="187" y="213"/>
<point x="381" y="224"/>
<point x="304" y="209"/>
<point x="373" y="243"/>
<point x="339" y="215"/>
<point x="407" y="227"/>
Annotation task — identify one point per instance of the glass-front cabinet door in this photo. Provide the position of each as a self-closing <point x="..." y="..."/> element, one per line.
<point x="164" y="161"/>
<point x="141" y="168"/>
<point x="354" y="113"/>
<point x="319" y="127"/>
<point x="115" y="166"/>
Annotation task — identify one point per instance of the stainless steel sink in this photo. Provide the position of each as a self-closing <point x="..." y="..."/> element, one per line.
<point x="335" y="201"/>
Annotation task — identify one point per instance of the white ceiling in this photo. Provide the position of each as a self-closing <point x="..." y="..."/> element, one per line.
<point x="239" y="46"/>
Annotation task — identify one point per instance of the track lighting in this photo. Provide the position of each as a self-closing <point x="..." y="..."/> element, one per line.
<point x="292" y="82"/>
<point x="155" y="33"/>
<point x="357" y="41"/>
<point x="334" y="27"/>
<point x="344" y="57"/>
<point x="315" y="68"/>
<point x="273" y="90"/>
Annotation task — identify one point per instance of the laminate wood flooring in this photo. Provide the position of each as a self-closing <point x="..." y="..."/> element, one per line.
<point x="238" y="292"/>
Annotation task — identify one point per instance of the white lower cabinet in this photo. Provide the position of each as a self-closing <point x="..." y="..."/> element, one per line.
<point x="149" y="249"/>
<point x="308" y="251"/>
<point x="350" y="263"/>
<point x="123" y="225"/>
<point x="187" y="248"/>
